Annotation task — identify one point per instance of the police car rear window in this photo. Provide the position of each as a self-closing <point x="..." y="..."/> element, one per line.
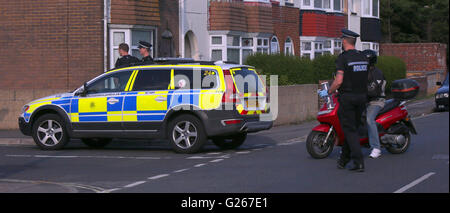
<point x="247" y="81"/>
<point x="195" y="79"/>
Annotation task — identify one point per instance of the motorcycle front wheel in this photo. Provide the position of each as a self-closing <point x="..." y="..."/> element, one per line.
<point x="316" y="147"/>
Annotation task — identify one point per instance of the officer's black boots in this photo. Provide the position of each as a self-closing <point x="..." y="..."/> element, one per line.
<point x="342" y="162"/>
<point x="357" y="167"/>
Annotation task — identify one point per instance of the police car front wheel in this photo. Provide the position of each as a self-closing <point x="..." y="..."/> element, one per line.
<point x="186" y="134"/>
<point x="49" y="132"/>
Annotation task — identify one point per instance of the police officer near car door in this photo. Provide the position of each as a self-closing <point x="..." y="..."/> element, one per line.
<point x="351" y="82"/>
<point x="125" y="59"/>
<point x="144" y="49"/>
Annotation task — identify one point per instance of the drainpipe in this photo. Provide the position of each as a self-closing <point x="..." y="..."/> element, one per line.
<point x="181" y="34"/>
<point x="106" y="13"/>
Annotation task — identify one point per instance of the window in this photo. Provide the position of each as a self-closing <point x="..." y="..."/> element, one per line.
<point x="288" y="47"/>
<point x="216" y="55"/>
<point x="327" y="44"/>
<point x="131" y="37"/>
<point x="262" y="46"/>
<point x="375" y="8"/>
<point x="233" y="41"/>
<point x="365" y="46"/>
<point x="274" y="46"/>
<point x="306" y="46"/>
<point x="216" y="40"/>
<point x="307" y="2"/>
<point x="247" y="42"/>
<point x="233" y="55"/>
<point x="337" y="5"/>
<point x="115" y="82"/>
<point x="195" y="79"/>
<point x="318" y="3"/>
<point x="326" y="4"/>
<point x="152" y="80"/>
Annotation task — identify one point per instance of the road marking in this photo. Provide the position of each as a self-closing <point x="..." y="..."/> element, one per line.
<point x="293" y="141"/>
<point x="258" y="149"/>
<point x="72" y="187"/>
<point x="135" y="184"/>
<point x="209" y="157"/>
<point x="214" y="153"/>
<point x="403" y="189"/>
<point x="158" y="176"/>
<point x="440" y="157"/>
<point x="181" y="170"/>
<point x="110" y="190"/>
<point x="243" y="152"/>
<point x="423" y="116"/>
<point x="200" y="165"/>
<point x="216" y="160"/>
<point x="97" y="157"/>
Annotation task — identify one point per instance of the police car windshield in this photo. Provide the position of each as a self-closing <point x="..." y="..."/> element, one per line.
<point x="247" y="81"/>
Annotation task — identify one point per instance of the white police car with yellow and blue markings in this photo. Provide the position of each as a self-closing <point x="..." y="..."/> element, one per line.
<point x="184" y="103"/>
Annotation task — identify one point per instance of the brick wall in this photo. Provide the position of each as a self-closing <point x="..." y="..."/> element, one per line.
<point x="142" y="12"/>
<point x="286" y="24"/>
<point x="258" y="17"/>
<point x="227" y="16"/>
<point x="418" y="56"/>
<point x="314" y="23"/>
<point x="50" y="44"/>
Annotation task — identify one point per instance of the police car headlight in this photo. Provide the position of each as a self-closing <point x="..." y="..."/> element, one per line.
<point x="25" y="108"/>
<point x="445" y="95"/>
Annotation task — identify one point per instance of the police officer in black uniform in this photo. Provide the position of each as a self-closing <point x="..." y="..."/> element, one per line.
<point x="125" y="60"/>
<point x="144" y="49"/>
<point x="351" y="81"/>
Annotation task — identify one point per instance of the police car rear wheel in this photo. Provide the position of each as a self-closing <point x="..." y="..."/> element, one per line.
<point x="96" y="143"/>
<point x="49" y="132"/>
<point x="186" y="134"/>
<point x="231" y="142"/>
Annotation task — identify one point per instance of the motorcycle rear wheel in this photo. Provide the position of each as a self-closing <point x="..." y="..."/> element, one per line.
<point x="315" y="147"/>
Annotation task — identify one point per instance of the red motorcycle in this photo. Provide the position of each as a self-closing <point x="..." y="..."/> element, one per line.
<point x="394" y="124"/>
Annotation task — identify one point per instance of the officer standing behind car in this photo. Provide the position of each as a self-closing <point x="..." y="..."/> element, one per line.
<point x="351" y="80"/>
<point x="144" y="49"/>
<point x="125" y="59"/>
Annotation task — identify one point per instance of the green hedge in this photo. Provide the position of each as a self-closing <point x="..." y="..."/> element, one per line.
<point x="295" y="70"/>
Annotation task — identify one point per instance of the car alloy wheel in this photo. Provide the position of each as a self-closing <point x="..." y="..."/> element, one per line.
<point x="50" y="133"/>
<point x="184" y="134"/>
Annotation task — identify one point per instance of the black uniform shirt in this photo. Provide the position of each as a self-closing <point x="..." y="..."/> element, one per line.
<point x="355" y="67"/>
<point x="126" y="61"/>
<point x="147" y="60"/>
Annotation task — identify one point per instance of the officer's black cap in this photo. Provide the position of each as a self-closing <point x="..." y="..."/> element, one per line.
<point x="349" y="33"/>
<point x="144" y="44"/>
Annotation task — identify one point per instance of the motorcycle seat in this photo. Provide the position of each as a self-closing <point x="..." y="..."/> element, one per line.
<point x="389" y="105"/>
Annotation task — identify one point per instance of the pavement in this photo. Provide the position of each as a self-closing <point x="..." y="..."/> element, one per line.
<point x="270" y="161"/>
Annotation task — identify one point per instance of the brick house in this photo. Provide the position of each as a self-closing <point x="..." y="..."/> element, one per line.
<point x="61" y="44"/>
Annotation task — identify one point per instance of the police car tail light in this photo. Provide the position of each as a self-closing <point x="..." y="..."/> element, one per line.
<point x="230" y="95"/>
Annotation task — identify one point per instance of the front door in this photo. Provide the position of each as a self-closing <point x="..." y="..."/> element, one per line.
<point x="100" y="109"/>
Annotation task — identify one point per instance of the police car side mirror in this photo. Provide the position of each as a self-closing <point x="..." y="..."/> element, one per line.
<point x="83" y="91"/>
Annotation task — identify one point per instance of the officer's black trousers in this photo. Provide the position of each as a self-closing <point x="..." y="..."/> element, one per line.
<point x="351" y="107"/>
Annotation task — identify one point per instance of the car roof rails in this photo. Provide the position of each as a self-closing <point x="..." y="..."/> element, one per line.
<point x="175" y="61"/>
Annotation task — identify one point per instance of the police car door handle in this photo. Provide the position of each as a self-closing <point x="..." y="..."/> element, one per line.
<point x="161" y="98"/>
<point x="113" y="101"/>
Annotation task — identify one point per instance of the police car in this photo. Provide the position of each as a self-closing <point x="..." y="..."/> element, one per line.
<point x="184" y="102"/>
